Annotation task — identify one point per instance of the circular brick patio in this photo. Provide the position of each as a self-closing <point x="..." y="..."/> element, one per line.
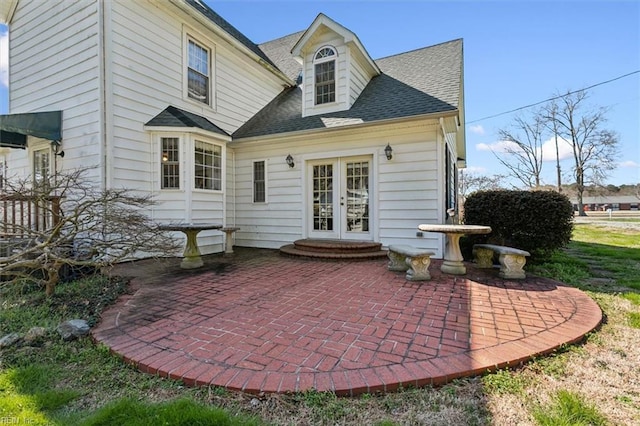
<point x="259" y="322"/>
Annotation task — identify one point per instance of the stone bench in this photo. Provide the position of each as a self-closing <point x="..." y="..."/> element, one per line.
<point x="415" y="261"/>
<point x="228" y="240"/>
<point x="512" y="260"/>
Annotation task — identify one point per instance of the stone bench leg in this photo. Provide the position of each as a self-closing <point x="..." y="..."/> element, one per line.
<point x="228" y="239"/>
<point x="511" y="266"/>
<point x="418" y="268"/>
<point x="397" y="261"/>
<point x="484" y="258"/>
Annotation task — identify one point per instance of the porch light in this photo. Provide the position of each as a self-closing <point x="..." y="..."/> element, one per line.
<point x="165" y="157"/>
<point x="388" y="151"/>
<point x="290" y="161"/>
<point x="56" y="149"/>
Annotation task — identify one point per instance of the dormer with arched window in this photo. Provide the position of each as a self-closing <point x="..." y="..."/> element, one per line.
<point x="336" y="67"/>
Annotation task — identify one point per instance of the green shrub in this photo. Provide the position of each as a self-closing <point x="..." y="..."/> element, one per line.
<point x="539" y="222"/>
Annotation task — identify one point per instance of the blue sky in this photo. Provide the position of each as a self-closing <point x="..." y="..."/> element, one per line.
<point x="516" y="53"/>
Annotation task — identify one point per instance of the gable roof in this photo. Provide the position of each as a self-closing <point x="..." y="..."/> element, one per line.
<point x="348" y="37"/>
<point x="176" y="117"/>
<point x="419" y="82"/>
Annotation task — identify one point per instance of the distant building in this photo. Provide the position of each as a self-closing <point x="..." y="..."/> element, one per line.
<point x="605" y="202"/>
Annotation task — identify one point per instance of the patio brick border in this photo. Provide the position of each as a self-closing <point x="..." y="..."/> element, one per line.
<point x="257" y="322"/>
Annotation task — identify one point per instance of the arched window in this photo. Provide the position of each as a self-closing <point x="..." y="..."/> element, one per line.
<point x="325" y="72"/>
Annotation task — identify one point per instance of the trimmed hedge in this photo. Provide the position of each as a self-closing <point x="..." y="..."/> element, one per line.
<point x="539" y="222"/>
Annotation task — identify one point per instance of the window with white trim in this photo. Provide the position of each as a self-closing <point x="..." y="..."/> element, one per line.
<point x="3" y="171"/>
<point x="169" y="163"/>
<point x="259" y="182"/>
<point x="198" y="72"/>
<point x="325" y="76"/>
<point x="41" y="167"/>
<point x="207" y="166"/>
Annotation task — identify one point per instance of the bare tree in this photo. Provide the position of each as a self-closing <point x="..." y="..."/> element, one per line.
<point x="470" y="182"/>
<point x="89" y="228"/>
<point x="594" y="148"/>
<point x="523" y="152"/>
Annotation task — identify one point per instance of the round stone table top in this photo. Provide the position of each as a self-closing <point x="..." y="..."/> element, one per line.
<point x="455" y="229"/>
<point x="189" y="226"/>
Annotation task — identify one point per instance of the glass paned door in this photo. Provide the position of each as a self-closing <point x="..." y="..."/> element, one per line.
<point x="356" y="199"/>
<point x="323" y="201"/>
<point x="340" y="199"/>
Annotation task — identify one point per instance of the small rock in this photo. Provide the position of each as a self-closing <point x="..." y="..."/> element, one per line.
<point x="34" y="334"/>
<point x="254" y="402"/>
<point x="72" y="329"/>
<point x="9" y="340"/>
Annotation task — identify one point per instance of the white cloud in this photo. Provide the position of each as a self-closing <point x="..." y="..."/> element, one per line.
<point x="4" y="59"/>
<point x="478" y="129"/>
<point x="500" y="146"/>
<point x="629" y="164"/>
<point x="549" y="149"/>
<point x="475" y="169"/>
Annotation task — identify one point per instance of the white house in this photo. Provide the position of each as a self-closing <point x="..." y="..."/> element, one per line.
<point x="305" y="136"/>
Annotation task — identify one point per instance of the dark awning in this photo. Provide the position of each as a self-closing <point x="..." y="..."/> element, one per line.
<point x="14" y="128"/>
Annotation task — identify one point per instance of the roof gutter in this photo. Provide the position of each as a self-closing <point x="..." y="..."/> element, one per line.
<point x="189" y="10"/>
<point x="431" y="116"/>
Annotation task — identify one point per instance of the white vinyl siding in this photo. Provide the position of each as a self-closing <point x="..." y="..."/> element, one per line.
<point x="55" y="65"/>
<point x="147" y="75"/>
<point x="404" y="191"/>
<point x="340" y="101"/>
<point x="358" y="77"/>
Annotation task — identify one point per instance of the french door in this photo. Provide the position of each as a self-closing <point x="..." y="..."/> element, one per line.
<point x="339" y="198"/>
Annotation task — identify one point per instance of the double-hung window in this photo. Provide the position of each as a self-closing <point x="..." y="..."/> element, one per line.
<point x="207" y="166"/>
<point x="259" y="182"/>
<point x="170" y="163"/>
<point x="325" y="76"/>
<point x="198" y="72"/>
<point x="41" y="167"/>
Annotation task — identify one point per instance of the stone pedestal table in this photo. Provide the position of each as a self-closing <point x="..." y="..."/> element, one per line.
<point x="452" y="263"/>
<point x="191" y="257"/>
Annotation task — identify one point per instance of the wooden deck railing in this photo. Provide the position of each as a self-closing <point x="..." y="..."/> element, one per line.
<point x="23" y="214"/>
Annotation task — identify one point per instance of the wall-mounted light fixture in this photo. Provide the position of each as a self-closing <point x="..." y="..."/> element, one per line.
<point x="290" y="161"/>
<point x="388" y="151"/>
<point x="165" y="157"/>
<point x="56" y="149"/>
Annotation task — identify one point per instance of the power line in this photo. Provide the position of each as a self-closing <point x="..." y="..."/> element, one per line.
<point x="554" y="98"/>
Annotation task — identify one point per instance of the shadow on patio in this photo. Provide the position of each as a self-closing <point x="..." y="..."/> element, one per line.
<point x="260" y="322"/>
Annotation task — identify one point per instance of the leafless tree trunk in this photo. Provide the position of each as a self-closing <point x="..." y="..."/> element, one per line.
<point x="524" y="152"/>
<point x="550" y="111"/>
<point x="594" y="149"/>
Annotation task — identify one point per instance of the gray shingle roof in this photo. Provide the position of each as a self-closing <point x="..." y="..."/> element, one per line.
<point x="279" y="51"/>
<point x="418" y="82"/>
<point x="230" y="29"/>
<point x="176" y="117"/>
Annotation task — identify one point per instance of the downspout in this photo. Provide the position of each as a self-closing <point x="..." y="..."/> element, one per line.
<point x="233" y="175"/>
<point x="103" y="92"/>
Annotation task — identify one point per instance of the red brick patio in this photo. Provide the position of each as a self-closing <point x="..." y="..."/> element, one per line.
<point x="260" y="322"/>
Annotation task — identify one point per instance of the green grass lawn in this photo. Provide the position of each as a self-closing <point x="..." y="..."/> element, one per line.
<point x="50" y="382"/>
